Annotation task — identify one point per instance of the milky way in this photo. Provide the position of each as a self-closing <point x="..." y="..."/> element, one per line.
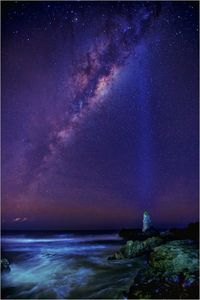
<point x="99" y="113"/>
<point x="100" y="67"/>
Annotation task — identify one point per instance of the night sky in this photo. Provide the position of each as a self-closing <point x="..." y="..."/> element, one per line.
<point x="99" y="114"/>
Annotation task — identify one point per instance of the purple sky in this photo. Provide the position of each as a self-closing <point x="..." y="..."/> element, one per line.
<point x="99" y="114"/>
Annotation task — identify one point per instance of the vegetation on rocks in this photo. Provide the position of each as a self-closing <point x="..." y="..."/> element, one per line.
<point x="172" y="269"/>
<point x="136" y="248"/>
<point x="172" y="273"/>
<point x="175" y="256"/>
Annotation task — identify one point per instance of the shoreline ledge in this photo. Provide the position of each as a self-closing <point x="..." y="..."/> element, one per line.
<point x="172" y="270"/>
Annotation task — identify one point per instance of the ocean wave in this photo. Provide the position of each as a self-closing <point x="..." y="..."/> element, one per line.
<point x="60" y="239"/>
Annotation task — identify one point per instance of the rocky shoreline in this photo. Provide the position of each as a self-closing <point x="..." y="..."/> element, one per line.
<point x="172" y="270"/>
<point x="171" y="263"/>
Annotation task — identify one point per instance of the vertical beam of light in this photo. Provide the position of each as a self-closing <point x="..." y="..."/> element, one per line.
<point x="145" y="146"/>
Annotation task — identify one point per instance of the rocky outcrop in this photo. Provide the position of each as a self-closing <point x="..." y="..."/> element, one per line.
<point x="175" y="257"/>
<point x="149" y="284"/>
<point x="137" y="234"/>
<point x="172" y="273"/>
<point x="172" y="262"/>
<point x="190" y="232"/>
<point x="136" y="248"/>
<point x="5" y="265"/>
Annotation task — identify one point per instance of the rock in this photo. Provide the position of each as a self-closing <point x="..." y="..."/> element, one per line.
<point x="152" y="242"/>
<point x="167" y="235"/>
<point x="132" y="249"/>
<point x="117" y="255"/>
<point x="149" y="284"/>
<point x="136" y="248"/>
<point x="190" y="232"/>
<point x="147" y="224"/>
<point x="193" y="231"/>
<point x="130" y="234"/>
<point x="172" y="273"/>
<point x="150" y="233"/>
<point x="175" y="257"/>
<point x="137" y="234"/>
<point x="5" y="265"/>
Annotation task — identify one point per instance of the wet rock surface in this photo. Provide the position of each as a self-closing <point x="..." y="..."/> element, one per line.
<point x="172" y="273"/>
<point x="136" y="248"/>
<point x="172" y="269"/>
<point x="175" y="256"/>
<point x="5" y="265"/>
<point x="149" y="284"/>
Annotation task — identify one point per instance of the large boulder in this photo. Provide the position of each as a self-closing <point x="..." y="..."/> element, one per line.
<point x="5" y="265"/>
<point x="132" y="249"/>
<point x="136" y="248"/>
<point x="190" y="232"/>
<point x="152" y="284"/>
<point x="172" y="273"/>
<point x="175" y="257"/>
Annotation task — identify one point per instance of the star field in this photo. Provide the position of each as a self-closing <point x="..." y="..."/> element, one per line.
<point x="99" y="114"/>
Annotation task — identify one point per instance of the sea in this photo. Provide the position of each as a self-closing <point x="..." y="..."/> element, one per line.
<point x="65" y="265"/>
